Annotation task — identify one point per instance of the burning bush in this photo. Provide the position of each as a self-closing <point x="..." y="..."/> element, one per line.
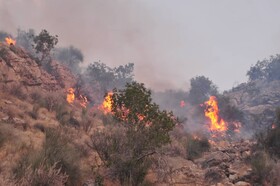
<point x="126" y="149"/>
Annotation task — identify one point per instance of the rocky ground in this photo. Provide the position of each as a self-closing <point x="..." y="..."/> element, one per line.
<point x="225" y="164"/>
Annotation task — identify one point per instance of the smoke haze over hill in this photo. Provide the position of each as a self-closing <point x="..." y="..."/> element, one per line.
<point x="169" y="41"/>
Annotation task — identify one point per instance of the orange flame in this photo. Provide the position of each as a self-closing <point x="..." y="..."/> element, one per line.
<point x="107" y="103"/>
<point x="212" y="112"/>
<point x="10" y="41"/>
<point x="70" y="95"/>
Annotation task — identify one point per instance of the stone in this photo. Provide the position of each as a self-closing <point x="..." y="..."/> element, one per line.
<point x="233" y="177"/>
<point x="242" y="183"/>
<point x="8" y="102"/>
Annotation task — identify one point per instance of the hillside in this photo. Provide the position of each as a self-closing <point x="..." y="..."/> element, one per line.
<point x="258" y="100"/>
<point x="44" y="138"/>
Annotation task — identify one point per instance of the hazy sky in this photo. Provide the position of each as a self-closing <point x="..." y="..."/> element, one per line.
<point x="170" y="41"/>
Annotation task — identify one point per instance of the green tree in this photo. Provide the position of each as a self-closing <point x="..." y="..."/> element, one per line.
<point x="44" y="43"/>
<point x="127" y="149"/>
<point x="273" y="68"/>
<point x="268" y="69"/>
<point x="100" y="74"/>
<point x="108" y="78"/>
<point x="201" y="89"/>
<point x="70" y="56"/>
<point x="123" y="74"/>
<point x="134" y="106"/>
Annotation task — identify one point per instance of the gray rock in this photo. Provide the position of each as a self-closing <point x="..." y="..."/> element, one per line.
<point x="242" y="183"/>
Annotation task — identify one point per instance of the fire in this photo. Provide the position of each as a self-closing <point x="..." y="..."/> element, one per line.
<point x="273" y="126"/>
<point x="70" y="95"/>
<point x="182" y="104"/>
<point x="140" y="117"/>
<point x="212" y="112"/>
<point x="10" y="41"/>
<point x="107" y="103"/>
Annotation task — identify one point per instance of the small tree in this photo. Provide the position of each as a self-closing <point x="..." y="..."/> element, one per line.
<point x="100" y="74"/>
<point x="133" y="106"/>
<point x="44" y="43"/>
<point x="108" y="78"/>
<point x="127" y="149"/>
<point x="201" y="89"/>
<point x="257" y="71"/>
<point x="123" y="74"/>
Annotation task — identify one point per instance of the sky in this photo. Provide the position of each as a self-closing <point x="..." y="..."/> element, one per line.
<point x="169" y="41"/>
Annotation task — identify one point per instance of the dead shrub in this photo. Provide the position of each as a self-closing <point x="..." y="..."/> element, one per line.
<point x="273" y="176"/>
<point x="214" y="175"/>
<point x="87" y="124"/>
<point x="36" y="96"/>
<point x="124" y="157"/>
<point x="35" y="111"/>
<point x="43" y="175"/>
<point x="261" y="166"/>
<point x="40" y="127"/>
<point x="196" y="146"/>
<point x="56" y="151"/>
<point x="17" y="91"/>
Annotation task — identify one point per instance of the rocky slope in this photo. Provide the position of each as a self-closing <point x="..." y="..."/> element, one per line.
<point x="225" y="164"/>
<point x="258" y="100"/>
<point x="19" y="68"/>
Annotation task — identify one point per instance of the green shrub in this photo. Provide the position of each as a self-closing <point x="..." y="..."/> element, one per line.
<point x="261" y="166"/>
<point x="35" y="111"/>
<point x="196" y="147"/>
<point x="125" y="158"/>
<point x="272" y="142"/>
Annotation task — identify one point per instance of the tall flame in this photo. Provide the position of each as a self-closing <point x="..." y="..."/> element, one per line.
<point x="10" y="41"/>
<point x="212" y="112"/>
<point x="70" y="95"/>
<point x="107" y="103"/>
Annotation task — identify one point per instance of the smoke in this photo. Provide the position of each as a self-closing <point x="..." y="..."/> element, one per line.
<point x="169" y="41"/>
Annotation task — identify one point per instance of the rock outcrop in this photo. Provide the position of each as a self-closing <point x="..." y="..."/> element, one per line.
<point x="19" y="68"/>
<point x="258" y="100"/>
<point x="225" y="164"/>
